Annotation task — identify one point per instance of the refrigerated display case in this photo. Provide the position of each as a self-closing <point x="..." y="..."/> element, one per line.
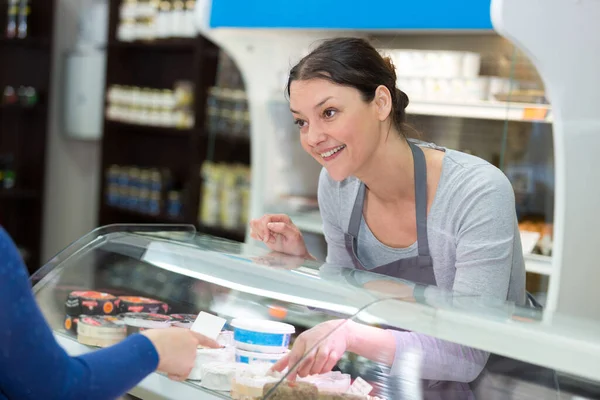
<point x="453" y="345"/>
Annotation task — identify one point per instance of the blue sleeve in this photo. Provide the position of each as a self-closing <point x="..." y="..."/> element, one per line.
<point x="34" y="366"/>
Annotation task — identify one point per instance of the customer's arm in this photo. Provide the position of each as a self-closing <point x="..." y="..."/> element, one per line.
<point x="34" y="366"/>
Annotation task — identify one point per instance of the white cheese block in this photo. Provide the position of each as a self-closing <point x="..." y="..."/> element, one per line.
<point x="207" y="356"/>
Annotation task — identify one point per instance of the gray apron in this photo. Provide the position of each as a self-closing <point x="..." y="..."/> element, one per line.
<point x="418" y="269"/>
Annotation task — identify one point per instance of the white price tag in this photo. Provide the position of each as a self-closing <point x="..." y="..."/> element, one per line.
<point x="360" y="387"/>
<point x="208" y="325"/>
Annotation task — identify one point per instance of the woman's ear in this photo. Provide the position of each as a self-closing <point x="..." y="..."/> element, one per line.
<point x="383" y="102"/>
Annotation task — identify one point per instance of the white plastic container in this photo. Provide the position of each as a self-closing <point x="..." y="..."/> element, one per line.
<point x="248" y="357"/>
<point x="471" y="64"/>
<point x="262" y="336"/>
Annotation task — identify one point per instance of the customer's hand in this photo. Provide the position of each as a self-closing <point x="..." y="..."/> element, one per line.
<point x="332" y="339"/>
<point x="280" y="234"/>
<point x="176" y="348"/>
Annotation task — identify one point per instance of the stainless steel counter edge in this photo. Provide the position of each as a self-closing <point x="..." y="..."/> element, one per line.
<point x="155" y="386"/>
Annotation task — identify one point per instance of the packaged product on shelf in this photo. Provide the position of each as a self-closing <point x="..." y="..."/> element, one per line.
<point x="128" y="9"/>
<point x="126" y="30"/>
<point x="112" y="196"/>
<point x="142" y="305"/>
<point x="231" y="203"/>
<point x="218" y="375"/>
<point x="163" y="19"/>
<point x="238" y="125"/>
<point x="100" y="331"/>
<point x="9" y="95"/>
<point x="137" y="322"/>
<point x="184" y="94"/>
<point x="183" y="320"/>
<point x="90" y="303"/>
<point x="207" y="356"/>
<point x="189" y="26"/>
<point x="211" y="187"/>
<point x="213" y="103"/>
<point x="177" y="18"/>
<point x="250" y="381"/>
<point x="23" y="25"/>
<point x="154" y="205"/>
<point x="9" y="174"/>
<point x="11" y="21"/>
<point x="262" y="336"/>
<point x="71" y="324"/>
<point x="174" y="206"/>
<point x="244" y="189"/>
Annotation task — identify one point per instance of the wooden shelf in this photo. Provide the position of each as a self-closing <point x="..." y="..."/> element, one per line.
<point x="136" y="215"/>
<point x="18" y="194"/>
<point x="30" y="42"/>
<point x="24" y="132"/>
<point x="175" y="44"/>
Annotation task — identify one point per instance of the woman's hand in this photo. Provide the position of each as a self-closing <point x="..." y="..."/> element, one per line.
<point x="279" y="234"/>
<point x="332" y="340"/>
<point x="176" y="348"/>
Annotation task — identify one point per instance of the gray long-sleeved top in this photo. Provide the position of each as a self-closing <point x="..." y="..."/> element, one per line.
<point x="473" y="239"/>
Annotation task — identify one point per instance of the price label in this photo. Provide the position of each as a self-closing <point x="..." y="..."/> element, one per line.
<point x="208" y="325"/>
<point x="535" y="113"/>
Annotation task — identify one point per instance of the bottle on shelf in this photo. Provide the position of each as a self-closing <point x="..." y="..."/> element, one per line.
<point x="9" y="175"/>
<point x="23" y="28"/>
<point x="12" y="17"/>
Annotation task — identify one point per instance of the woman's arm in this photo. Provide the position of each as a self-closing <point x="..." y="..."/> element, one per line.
<point x="442" y="360"/>
<point x="34" y="366"/>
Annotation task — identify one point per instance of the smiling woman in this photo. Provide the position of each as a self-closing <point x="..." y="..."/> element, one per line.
<point x="362" y="101"/>
<point x="394" y="206"/>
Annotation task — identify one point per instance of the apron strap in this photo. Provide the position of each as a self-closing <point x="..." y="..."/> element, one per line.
<point x="420" y="198"/>
<point x="420" y="177"/>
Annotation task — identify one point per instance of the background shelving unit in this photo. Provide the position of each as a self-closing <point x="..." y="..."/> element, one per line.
<point x="23" y="131"/>
<point x="159" y="64"/>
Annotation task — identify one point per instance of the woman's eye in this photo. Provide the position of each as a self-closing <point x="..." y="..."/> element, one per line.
<point x="329" y="113"/>
<point x="300" y="122"/>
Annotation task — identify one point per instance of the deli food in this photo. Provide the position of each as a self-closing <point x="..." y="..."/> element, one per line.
<point x="90" y="303"/>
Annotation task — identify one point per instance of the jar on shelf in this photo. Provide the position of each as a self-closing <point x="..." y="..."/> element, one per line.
<point x="189" y="27"/>
<point x="126" y="32"/>
<point x="112" y="195"/>
<point x="209" y="206"/>
<point x="156" y="184"/>
<point x="144" y="203"/>
<point x="154" y="204"/>
<point x="128" y="10"/>
<point x="174" y="205"/>
<point x="230" y="208"/>
<point x="177" y="18"/>
<point x="163" y="20"/>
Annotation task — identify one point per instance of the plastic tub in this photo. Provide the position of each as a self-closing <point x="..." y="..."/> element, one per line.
<point x="262" y="336"/>
<point x="249" y="357"/>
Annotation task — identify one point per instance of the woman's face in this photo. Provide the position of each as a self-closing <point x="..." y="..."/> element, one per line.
<point x="337" y="127"/>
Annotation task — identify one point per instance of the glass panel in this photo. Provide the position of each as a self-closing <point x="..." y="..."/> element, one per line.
<point x="527" y="159"/>
<point x="445" y="336"/>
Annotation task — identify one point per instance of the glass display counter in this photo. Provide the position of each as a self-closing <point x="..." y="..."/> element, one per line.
<point x="448" y="345"/>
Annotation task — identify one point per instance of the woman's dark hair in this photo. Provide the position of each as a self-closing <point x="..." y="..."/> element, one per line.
<point x="356" y="63"/>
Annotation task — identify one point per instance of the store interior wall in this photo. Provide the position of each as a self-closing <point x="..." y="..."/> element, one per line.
<point x="72" y="167"/>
